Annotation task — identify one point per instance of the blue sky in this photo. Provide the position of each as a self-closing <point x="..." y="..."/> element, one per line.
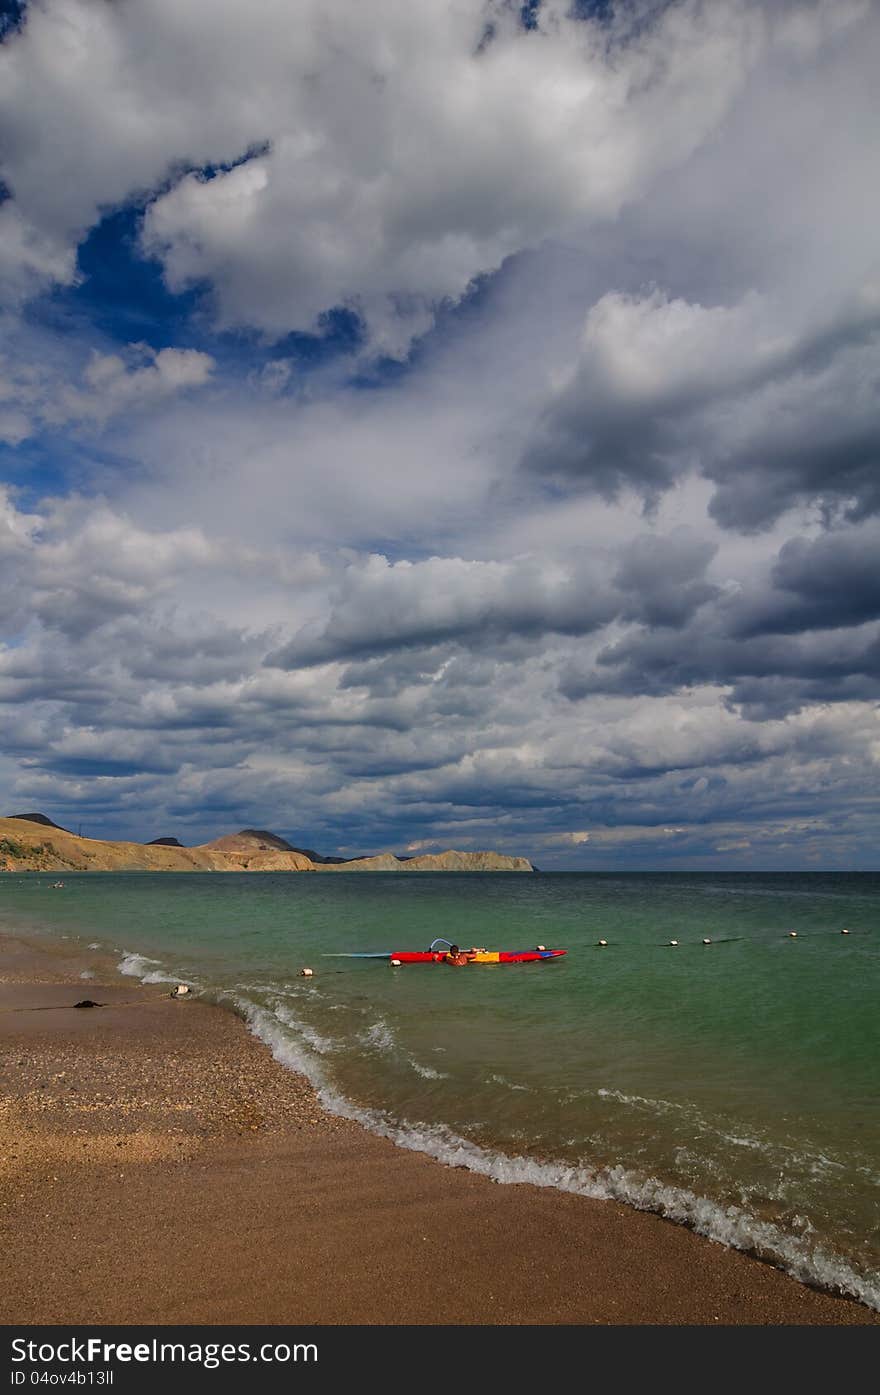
<point x="447" y="426"/>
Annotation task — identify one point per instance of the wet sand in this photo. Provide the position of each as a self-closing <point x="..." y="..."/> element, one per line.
<point x="158" y="1166"/>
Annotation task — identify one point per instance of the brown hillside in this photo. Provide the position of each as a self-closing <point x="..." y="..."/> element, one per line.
<point x="32" y="847"/>
<point x="37" y="846"/>
<point x="435" y="862"/>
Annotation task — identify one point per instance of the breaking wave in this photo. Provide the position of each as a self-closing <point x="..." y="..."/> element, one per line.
<point x="300" y="1049"/>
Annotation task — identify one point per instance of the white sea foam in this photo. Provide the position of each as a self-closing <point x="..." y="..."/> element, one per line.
<point x="303" y="987"/>
<point x="139" y="966"/>
<point x="378" y="1036"/>
<point x="287" y="1050"/>
<point x="659" y="1106"/>
<point x="150" y="970"/>
<point x="508" y="1084"/>
<point x="695" y="1119"/>
<point x="323" y="1045"/>
<point x="737" y="1142"/>
<point x="789" y="1154"/>
<point x="427" y="1072"/>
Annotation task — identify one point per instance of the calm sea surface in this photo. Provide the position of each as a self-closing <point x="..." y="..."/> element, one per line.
<point x="733" y="1086"/>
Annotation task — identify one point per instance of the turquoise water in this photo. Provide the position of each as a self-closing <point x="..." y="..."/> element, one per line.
<point x="732" y="1086"/>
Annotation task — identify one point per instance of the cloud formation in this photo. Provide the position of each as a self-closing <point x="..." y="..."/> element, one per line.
<point x="776" y="417"/>
<point x="373" y="157"/>
<point x="471" y="439"/>
<point x="111" y="386"/>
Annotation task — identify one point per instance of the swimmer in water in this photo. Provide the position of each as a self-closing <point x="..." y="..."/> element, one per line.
<point x="457" y="956"/>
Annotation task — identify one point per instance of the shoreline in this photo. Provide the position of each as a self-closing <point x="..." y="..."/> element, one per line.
<point x="157" y="1165"/>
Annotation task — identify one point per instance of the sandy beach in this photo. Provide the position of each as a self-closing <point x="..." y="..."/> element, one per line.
<point x="158" y="1166"/>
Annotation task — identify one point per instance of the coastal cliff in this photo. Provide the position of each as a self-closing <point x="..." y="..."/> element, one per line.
<point x="32" y="843"/>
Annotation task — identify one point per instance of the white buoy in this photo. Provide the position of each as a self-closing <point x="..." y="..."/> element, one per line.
<point x="844" y="932"/>
<point x="601" y="943"/>
<point x="792" y="934"/>
<point x="673" y="942"/>
<point x="539" y="948"/>
<point x="395" y="963"/>
<point x="306" y="973"/>
<point x="707" y="942"/>
<point x="181" y="991"/>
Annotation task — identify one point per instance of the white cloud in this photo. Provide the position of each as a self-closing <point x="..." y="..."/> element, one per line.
<point x="381" y="606"/>
<point x="29" y="257"/>
<point x="656" y="349"/>
<point x="400" y="161"/>
<point x="404" y="162"/>
<point x="80" y="564"/>
<point x="111" y="386"/>
<point x="46" y="382"/>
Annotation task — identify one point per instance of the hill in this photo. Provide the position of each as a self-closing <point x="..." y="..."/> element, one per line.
<point x="33" y="843"/>
<point x="449" y="861"/>
<point x="39" y="818"/>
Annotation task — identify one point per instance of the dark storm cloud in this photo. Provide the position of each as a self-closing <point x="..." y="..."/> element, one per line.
<point x="769" y="674"/>
<point x="202" y="654"/>
<point x="384" y="606"/>
<point x="806" y="634"/>
<point x="499" y="609"/>
<point x="829" y="582"/>
<point x="389" y="675"/>
<point x="664" y="578"/>
<point x="665" y="387"/>
<point x="828" y="460"/>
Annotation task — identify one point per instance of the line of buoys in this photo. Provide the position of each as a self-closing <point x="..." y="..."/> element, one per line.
<point x="728" y="939"/>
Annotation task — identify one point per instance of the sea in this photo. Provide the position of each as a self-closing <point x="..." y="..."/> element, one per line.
<point x="729" y="1082"/>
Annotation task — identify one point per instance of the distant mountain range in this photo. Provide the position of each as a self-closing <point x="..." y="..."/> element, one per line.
<point x="34" y="843"/>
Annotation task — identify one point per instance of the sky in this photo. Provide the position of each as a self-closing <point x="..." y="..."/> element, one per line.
<point x="450" y="424"/>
